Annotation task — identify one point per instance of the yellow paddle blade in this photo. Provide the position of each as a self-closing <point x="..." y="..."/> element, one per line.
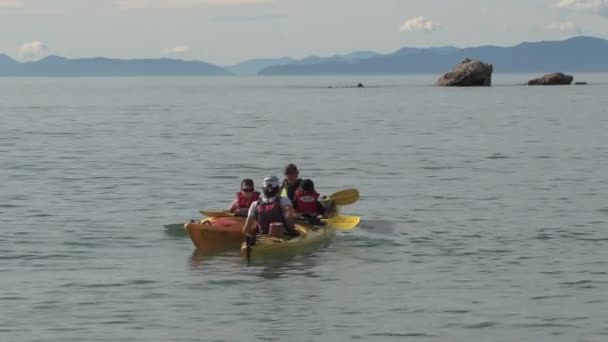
<point x="343" y="222"/>
<point x="212" y="213"/>
<point x="344" y="197"/>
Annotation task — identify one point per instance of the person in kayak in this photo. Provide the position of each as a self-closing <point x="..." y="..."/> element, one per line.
<point x="307" y="202"/>
<point x="244" y="198"/>
<point x="270" y="209"/>
<point x="291" y="183"/>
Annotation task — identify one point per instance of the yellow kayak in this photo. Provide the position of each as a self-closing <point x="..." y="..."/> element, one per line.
<point x="310" y="236"/>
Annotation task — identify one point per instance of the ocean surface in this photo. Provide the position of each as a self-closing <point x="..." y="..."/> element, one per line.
<point x="485" y="210"/>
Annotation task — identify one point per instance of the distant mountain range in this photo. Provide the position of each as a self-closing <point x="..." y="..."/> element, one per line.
<point x="582" y="54"/>
<point x="60" y="66"/>
<point x="575" y="54"/>
<point x="253" y="66"/>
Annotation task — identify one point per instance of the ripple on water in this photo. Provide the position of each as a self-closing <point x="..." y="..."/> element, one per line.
<point x="544" y="325"/>
<point x="399" y="335"/>
<point x="549" y="297"/>
<point x="230" y="282"/>
<point x="584" y="283"/>
<point x="479" y="325"/>
<point x="437" y="168"/>
<point x="92" y="285"/>
<point x="498" y="156"/>
<point x="456" y="311"/>
<point x="494" y="251"/>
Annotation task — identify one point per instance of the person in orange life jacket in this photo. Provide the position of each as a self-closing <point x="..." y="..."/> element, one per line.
<point x="307" y="202"/>
<point x="271" y="208"/>
<point x="244" y="198"/>
<point x="291" y="183"/>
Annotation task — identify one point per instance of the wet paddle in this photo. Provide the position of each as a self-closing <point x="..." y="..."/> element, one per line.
<point x="344" y="197"/>
<point x="343" y="222"/>
<point x="249" y="241"/>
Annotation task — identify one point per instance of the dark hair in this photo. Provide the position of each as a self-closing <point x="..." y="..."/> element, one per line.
<point x="307" y="185"/>
<point x="290" y="168"/>
<point x="247" y="182"/>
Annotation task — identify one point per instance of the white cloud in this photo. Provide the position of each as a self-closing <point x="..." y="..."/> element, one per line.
<point x="10" y="4"/>
<point x="566" y="27"/>
<point x="31" y="49"/>
<point x="140" y="4"/>
<point x="418" y="24"/>
<point x="596" y="6"/>
<point x="178" y="50"/>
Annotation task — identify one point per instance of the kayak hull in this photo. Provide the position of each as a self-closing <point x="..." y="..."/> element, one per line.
<point x="231" y="228"/>
<point x="311" y="236"/>
<point x="223" y="227"/>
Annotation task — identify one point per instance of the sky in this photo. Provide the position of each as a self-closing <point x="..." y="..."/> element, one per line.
<point x="224" y="32"/>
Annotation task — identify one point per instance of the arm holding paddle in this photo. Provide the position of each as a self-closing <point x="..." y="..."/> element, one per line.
<point x="248" y="226"/>
<point x="290" y="216"/>
<point x="233" y="206"/>
<point x="250" y="235"/>
<point x="290" y="212"/>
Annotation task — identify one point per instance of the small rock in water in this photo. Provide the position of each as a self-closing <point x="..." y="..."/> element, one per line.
<point x="557" y="78"/>
<point x="360" y="85"/>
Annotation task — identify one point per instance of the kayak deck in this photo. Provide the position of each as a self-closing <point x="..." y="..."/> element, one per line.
<point x="310" y="237"/>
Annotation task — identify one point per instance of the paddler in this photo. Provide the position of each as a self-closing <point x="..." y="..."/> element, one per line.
<point x="244" y="198"/>
<point x="271" y="210"/>
<point x="291" y="183"/>
<point x="307" y="202"/>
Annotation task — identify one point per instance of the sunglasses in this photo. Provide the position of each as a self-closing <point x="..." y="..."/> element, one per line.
<point x="247" y="189"/>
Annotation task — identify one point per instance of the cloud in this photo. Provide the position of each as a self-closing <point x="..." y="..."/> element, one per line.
<point x="10" y="4"/>
<point x="248" y="18"/>
<point x="31" y="49"/>
<point x="599" y="7"/>
<point x="566" y="27"/>
<point x="142" y="4"/>
<point x="178" y="50"/>
<point x="418" y="24"/>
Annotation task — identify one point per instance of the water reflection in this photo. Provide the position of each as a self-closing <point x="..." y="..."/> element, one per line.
<point x="302" y="264"/>
<point x="385" y="227"/>
<point x="213" y="245"/>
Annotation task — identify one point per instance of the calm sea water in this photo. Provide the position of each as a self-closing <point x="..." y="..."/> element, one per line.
<point x="498" y="199"/>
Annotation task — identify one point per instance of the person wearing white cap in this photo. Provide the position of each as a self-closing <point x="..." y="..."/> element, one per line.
<point x="271" y="209"/>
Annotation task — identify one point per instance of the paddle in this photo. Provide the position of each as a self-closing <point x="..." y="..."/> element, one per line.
<point x="211" y="213"/>
<point x="344" y="197"/>
<point x="249" y="241"/>
<point x="343" y="222"/>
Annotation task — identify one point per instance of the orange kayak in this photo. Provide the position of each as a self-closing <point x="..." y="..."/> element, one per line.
<point x="229" y="227"/>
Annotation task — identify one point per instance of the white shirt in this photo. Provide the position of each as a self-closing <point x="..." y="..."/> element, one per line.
<point x="285" y="203"/>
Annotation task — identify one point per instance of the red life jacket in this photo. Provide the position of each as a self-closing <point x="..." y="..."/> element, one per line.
<point x="244" y="202"/>
<point x="307" y="203"/>
<point x="268" y="213"/>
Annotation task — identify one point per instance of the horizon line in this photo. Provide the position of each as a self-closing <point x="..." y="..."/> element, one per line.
<point x="183" y="59"/>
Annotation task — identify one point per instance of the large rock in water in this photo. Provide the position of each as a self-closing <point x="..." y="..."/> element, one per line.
<point x="557" y="78"/>
<point x="469" y="73"/>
